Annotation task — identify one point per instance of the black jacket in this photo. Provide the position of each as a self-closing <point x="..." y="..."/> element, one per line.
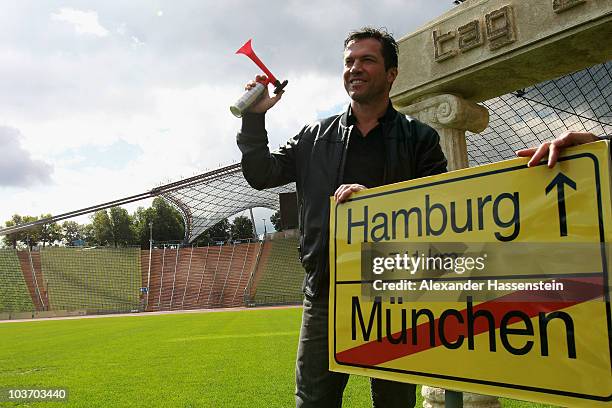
<point x="314" y="160"/>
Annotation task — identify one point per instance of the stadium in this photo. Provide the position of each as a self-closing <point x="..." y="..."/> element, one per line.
<point x="189" y="324"/>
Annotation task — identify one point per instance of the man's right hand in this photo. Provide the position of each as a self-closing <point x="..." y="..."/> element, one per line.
<point x="345" y="191"/>
<point x="265" y="102"/>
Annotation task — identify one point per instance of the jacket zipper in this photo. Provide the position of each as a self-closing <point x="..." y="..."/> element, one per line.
<point x="340" y="173"/>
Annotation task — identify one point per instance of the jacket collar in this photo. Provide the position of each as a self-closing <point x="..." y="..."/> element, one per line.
<point x="348" y="119"/>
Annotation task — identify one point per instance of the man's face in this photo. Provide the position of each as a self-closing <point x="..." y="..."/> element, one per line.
<point x="365" y="77"/>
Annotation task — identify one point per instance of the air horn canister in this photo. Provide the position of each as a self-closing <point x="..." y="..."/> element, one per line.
<point x="253" y="94"/>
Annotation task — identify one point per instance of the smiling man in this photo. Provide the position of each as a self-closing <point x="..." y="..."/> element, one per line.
<point x="369" y="145"/>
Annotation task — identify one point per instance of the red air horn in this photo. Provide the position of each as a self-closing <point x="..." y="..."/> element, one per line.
<point x="252" y="95"/>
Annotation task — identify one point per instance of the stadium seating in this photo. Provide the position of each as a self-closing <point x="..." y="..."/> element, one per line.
<point x="14" y="295"/>
<point x="98" y="280"/>
<point x="194" y="278"/>
<point x="32" y="273"/>
<point x="279" y="275"/>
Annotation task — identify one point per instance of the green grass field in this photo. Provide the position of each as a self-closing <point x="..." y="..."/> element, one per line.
<point x="224" y="359"/>
<point x="99" y="280"/>
<point x="14" y="296"/>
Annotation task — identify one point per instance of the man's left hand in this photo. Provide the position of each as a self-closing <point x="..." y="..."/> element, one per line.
<point x="344" y="192"/>
<point x="552" y="148"/>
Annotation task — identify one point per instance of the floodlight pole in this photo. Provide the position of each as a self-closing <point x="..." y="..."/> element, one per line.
<point x="150" y="252"/>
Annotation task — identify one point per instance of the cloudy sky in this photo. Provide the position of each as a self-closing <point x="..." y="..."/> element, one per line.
<point x="105" y="99"/>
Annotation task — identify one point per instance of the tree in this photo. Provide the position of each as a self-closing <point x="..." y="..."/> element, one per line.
<point x="275" y="219"/>
<point x="142" y="217"/>
<point x="113" y="227"/>
<point x="31" y="236"/>
<point x="242" y="228"/>
<point x="49" y="233"/>
<point x="218" y="232"/>
<point x="72" y="231"/>
<point x="121" y="227"/>
<point x="88" y="234"/>
<point x="167" y="222"/>
<point x="45" y="233"/>
<point x="11" y="240"/>
<point x="102" y="228"/>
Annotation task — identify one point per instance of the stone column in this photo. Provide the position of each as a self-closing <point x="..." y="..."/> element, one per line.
<point x="434" y="398"/>
<point x="452" y="116"/>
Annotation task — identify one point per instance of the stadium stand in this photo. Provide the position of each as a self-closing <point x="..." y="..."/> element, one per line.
<point x="279" y="275"/>
<point x="98" y="280"/>
<point x="197" y="277"/>
<point x="14" y="295"/>
<point x="32" y="273"/>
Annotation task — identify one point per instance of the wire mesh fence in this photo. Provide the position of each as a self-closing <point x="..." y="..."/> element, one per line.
<point x="279" y="276"/>
<point x="99" y="280"/>
<point x="14" y="292"/>
<point x="581" y="101"/>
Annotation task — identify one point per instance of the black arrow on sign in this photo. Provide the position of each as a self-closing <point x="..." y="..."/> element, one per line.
<point x="560" y="181"/>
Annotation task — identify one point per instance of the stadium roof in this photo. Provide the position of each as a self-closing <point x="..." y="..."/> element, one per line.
<point x="218" y="194"/>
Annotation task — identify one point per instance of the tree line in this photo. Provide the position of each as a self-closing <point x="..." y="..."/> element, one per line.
<point x="116" y="227"/>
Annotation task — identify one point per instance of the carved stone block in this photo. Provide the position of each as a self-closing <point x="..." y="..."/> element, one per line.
<point x="501" y="29"/>
<point x="439" y="40"/>
<point x="470" y="36"/>
<point x="559" y="6"/>
<point x="449" y="111"/>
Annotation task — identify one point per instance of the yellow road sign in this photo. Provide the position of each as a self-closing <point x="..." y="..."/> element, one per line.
<point x="492" y="280"/>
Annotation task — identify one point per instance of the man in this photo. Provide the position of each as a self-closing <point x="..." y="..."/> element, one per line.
<point x="554" y="147"/>
<point x="369" y="145"/>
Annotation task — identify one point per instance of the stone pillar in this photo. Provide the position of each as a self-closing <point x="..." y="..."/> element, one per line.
<point x="434" y="398"/>
<point x="452" y="116"/>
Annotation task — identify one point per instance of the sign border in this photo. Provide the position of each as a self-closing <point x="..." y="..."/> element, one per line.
<point x="479" y="381"/>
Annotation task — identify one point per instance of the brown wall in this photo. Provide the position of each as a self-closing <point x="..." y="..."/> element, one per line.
<point x="26" y="269"/>
<point x="203" y="277"/>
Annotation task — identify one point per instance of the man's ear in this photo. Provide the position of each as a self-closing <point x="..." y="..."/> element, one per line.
<point x="391" y="75"/>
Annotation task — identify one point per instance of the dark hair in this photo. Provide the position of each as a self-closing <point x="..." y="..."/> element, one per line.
<point x="389" y="46"/>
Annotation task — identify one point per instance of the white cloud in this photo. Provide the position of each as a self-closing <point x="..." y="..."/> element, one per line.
<point x="84" y="22"/>
<point x="136" y="41"/>
<point x="122" y="29"/>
